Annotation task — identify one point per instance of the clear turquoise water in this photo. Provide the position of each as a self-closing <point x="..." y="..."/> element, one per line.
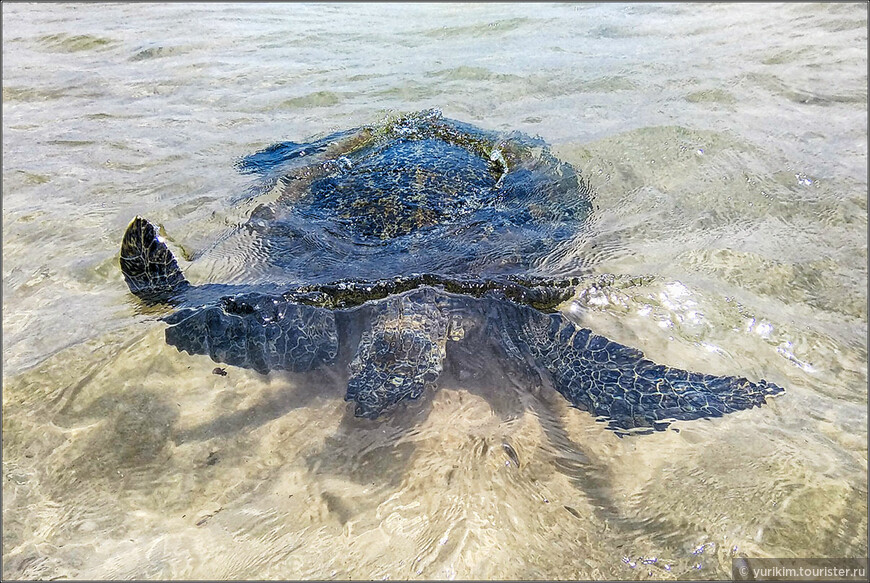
<point x="727" y="145"/>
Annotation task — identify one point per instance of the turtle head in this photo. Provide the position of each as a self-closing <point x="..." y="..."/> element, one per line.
<point x="148" y="265"/>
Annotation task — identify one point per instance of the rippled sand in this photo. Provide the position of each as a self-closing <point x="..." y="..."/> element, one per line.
<point x="729" y="162"/>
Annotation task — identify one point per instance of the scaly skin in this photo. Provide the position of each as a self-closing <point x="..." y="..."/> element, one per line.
<point x="403" y="346"/>
<point x="400" y="353"/>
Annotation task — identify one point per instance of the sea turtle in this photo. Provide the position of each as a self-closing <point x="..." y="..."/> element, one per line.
<point x="399" y="238"/>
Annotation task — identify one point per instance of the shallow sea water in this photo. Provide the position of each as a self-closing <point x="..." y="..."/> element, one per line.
<point x="727" y="146"/>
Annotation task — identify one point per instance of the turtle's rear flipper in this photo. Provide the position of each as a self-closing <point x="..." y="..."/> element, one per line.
<point x="616" y="382"/>
<point x="268" y="159"/>
<point x="400" y="355"/>
<point x="149" y="268"/>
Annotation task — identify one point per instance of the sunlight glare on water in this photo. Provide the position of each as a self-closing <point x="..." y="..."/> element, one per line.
<point x="727" y="149"/>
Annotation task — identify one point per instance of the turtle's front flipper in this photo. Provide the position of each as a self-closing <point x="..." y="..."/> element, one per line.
<point x="257" y="331"/>
<point x="400" y="354"/>
<point x="617" y="382"/>
<point x="147" y="263"/>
